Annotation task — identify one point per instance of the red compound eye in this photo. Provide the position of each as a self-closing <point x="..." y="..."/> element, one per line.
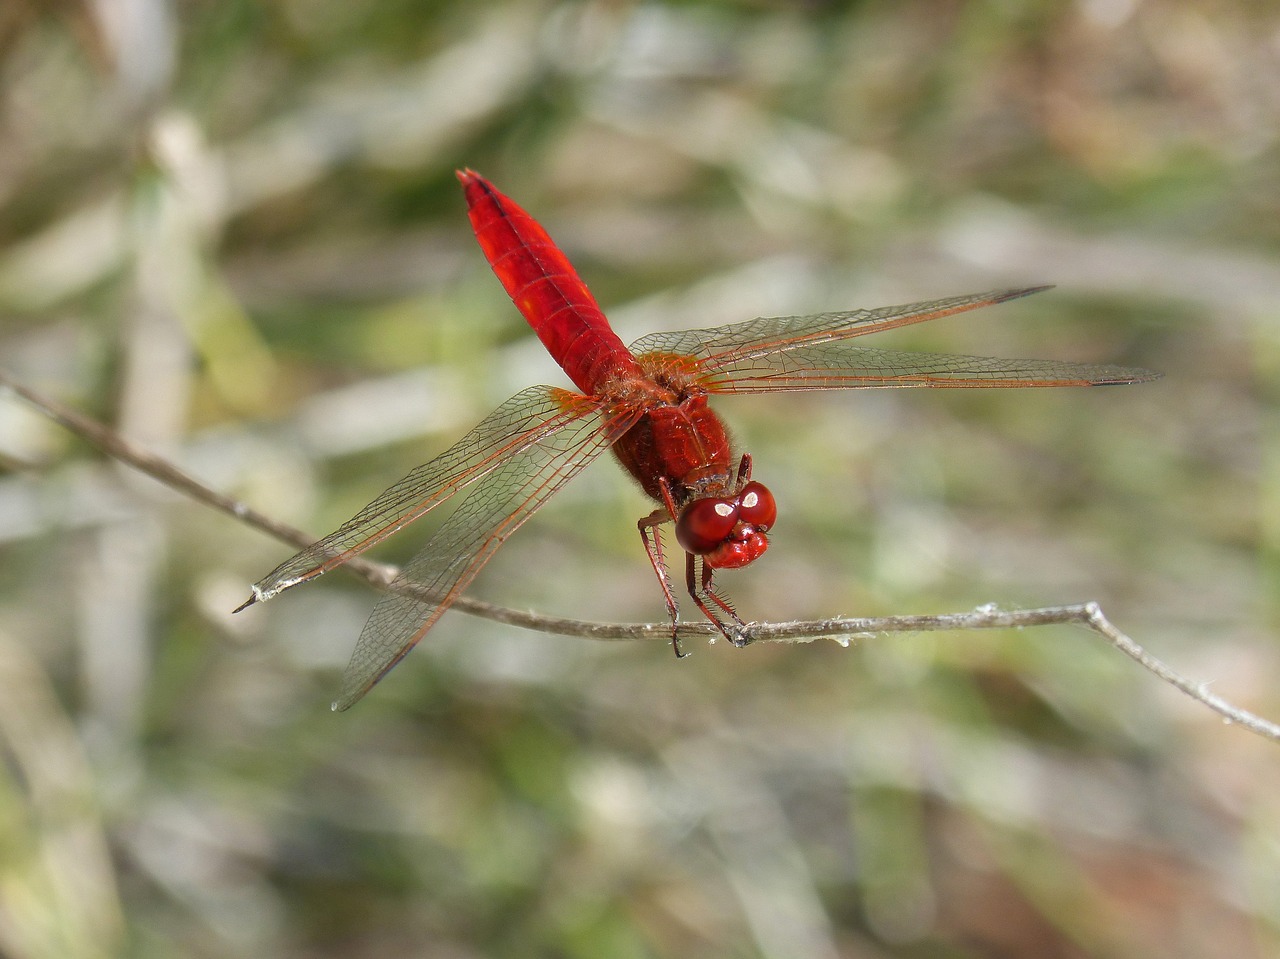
<point x="705" y="523"/>
<point x="756" y="506"/>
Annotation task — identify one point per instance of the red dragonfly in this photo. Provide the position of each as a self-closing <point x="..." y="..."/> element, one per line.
<point x="648" y="404"/>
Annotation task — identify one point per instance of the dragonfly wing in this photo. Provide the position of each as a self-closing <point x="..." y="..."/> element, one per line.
<point x="842" y="366"/>
<point x="767" y="335"/>
<point x="494" y="508"/>
<point x="814" y="353"/>
<point x="531" y="417"/>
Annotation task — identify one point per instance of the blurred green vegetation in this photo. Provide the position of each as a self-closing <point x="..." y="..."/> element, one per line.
<point x="232" y="231"/>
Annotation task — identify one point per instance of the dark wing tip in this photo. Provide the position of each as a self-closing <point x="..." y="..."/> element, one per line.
<point x="1004" y="295"/>
<point x="1124" y="376"/>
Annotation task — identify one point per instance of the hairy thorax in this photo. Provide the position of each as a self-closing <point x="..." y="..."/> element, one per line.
<point x="678" y="438"/>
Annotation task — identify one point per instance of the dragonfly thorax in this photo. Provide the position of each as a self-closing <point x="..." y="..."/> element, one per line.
<point x="682" y="445"/>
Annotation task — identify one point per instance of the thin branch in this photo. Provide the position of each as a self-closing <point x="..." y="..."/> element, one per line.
<point x="381" y="575"/>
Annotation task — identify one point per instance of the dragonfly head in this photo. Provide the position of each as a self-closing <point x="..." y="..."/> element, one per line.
<point x="728" y="531"/>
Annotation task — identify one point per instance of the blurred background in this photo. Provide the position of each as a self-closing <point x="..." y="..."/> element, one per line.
<point x="232" y="231"/>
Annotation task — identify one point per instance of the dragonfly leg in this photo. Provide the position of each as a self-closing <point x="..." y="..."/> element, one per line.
<point x="701" y="588"/>
<point x="744" y="471"/>
<point x="651" y="534"/>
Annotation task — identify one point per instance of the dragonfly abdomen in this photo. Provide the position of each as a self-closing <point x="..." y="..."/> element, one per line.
<point x="545" y="287"/>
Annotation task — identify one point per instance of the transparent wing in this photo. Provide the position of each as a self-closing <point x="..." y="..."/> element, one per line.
<point x="841" y="366"/>
<point x="494" y="508"/>
<point x="531" y="417"/>
<point x="766" y="335"/>
<point x="813" y="353"/>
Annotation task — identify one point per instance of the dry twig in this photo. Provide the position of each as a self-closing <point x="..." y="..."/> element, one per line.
<point x="380" y="576"/>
